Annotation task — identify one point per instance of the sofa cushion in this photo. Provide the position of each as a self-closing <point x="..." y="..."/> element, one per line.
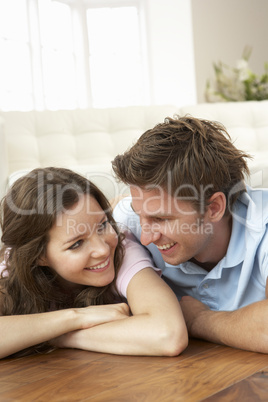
<point x="247" y="124"/>
<point x="88" y="140"/>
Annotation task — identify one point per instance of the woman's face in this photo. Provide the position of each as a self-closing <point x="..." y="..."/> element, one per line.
<point x="81" y="245"/>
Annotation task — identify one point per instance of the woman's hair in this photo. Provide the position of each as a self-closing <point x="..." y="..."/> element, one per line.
<point x="187" y="157"/>
<point x="28" y="212"/>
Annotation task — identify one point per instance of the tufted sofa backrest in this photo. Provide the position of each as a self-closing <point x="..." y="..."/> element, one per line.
<point x="88" y="140"/>
<point x="83" y="140"/>
<point x="247" y="124"/>
<point x="75" y="137"/>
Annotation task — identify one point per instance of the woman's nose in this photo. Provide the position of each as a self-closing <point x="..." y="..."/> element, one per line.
<point x="99" y="247"/>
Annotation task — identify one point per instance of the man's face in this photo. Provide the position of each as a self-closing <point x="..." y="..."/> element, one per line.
<point x="179" y="231"/>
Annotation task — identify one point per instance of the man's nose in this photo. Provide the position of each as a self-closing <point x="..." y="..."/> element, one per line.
<point x="150" y="233"/>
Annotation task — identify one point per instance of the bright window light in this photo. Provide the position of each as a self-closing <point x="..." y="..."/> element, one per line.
<point x="13" y="20"/>
<point x="15" y="66"/>
<point x="115" y="56"/>
<point x="58" y="64"/>
<point x="68" y="54"/>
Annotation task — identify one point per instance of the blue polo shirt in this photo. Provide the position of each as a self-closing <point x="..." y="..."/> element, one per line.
<point x="240" y="277"/>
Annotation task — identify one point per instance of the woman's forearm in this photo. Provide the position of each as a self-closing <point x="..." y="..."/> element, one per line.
<point x="136" y="335"/>
<point x="22" y="331"/>
<point x="156" y="328"/>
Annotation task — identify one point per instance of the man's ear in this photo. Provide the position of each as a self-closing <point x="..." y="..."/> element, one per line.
<point x="216" y="207"/>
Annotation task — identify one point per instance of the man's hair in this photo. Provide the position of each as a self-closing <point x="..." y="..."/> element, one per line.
<point x="187" y="157"/>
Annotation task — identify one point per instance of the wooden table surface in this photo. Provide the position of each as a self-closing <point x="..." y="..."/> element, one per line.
<point x="203" y="372"/>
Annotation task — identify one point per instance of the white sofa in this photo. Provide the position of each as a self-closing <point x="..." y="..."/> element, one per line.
<point x="87" y="140"/>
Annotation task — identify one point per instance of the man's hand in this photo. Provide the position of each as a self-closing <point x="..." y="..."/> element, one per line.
<point x="193" y="310"/>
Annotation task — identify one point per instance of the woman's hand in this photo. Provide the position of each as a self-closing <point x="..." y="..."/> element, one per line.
<point x="92" y="316"/>
<point x="96" y="315"/>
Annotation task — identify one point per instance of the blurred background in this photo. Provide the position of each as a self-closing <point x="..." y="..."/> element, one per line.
<point x="69" y="54"/>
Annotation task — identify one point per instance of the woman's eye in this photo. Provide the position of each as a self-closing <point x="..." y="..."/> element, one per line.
<point x="103" y="226"/>
<point x="76" y="245"/>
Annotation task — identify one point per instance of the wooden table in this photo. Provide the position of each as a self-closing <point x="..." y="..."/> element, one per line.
<point x="203" y="372"/>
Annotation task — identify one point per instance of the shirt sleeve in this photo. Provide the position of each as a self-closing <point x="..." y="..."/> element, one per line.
<point x="126" y="218"/>
<point x="136" y="258"/>
<point x="263" y="256"/>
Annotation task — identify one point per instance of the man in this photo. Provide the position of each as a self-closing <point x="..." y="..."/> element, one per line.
<point x="205" y="228"/>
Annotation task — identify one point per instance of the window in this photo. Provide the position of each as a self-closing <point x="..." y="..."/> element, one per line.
<point x="15" y="66"/>
<point x="115" y="55"/>
<point x="71" y="54"/>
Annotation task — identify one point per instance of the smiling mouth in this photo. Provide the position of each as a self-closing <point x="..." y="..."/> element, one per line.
<point x="166" y="246"/>
<point x="100" y="266"/>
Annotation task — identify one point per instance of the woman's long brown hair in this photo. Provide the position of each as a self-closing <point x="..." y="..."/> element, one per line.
<point x="28" y="212"/>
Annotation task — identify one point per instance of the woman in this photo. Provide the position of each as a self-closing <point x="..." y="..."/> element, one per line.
<point x="68" y="271"/>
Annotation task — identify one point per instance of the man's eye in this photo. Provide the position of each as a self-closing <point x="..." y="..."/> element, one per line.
<point x="160" y="219"/>
<point x="77" y="244"/>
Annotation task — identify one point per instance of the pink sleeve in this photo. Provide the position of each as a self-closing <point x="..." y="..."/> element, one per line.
<point x="136" y="258"/>
<point x="2" y="268"/>
<point x="3" y="263"/>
